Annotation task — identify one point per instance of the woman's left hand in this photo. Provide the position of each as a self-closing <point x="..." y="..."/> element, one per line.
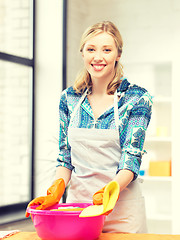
<point x="98" y="197"/>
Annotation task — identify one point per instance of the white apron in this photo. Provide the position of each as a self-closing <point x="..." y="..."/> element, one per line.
<point x="95" y="154"/>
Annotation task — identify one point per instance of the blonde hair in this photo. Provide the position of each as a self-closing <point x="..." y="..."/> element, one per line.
<point x="83" y="79"/>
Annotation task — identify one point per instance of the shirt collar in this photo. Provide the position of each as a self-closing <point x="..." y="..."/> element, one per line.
<point x="123" y="86"/>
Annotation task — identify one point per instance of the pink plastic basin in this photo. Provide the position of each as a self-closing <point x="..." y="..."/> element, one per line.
<point x="66" y="225"/>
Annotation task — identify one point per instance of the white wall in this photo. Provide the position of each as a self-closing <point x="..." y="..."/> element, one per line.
<point x="149" y="28"/>
<point x="47" y="90"/>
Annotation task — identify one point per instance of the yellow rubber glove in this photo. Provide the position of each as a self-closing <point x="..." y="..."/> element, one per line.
<point x="54" y="194"/>
<point x="108" y="196"/>
<point x="98" y="198"/>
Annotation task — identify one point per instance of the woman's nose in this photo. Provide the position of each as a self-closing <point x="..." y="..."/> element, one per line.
<point x="98" y="56"/>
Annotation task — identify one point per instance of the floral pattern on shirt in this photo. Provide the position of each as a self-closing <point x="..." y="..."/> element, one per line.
<point x="134" y="108"/>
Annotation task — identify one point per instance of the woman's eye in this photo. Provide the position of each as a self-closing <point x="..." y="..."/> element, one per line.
<point x="107" y="50"/>
<point x="90" y="49"/>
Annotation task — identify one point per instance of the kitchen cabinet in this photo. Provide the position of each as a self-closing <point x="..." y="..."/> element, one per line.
<point x="160" y="191"/>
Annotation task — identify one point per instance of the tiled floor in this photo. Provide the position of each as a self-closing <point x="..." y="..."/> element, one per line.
<point x="25" y="225"/>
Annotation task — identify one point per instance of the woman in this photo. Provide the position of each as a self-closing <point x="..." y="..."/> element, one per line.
<point x="103" y="120"/>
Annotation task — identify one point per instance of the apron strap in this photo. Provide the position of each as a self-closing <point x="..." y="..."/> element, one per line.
<point x="116" y="114"/>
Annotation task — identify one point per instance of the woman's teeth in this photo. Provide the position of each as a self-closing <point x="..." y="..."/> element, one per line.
<point x="98" y="67"/>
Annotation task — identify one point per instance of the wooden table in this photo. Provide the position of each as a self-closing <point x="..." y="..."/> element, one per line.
<point x="103" y="236"/>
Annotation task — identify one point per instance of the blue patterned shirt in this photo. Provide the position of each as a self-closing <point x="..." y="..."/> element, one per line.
<point x="134" y="108"/>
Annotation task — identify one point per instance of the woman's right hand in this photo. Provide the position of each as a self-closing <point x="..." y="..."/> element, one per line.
<point x="54" y="194"/>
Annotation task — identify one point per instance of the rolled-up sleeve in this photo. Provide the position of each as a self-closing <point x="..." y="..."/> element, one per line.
<point x="64" y="158"/>
<point x="133" y="137"/>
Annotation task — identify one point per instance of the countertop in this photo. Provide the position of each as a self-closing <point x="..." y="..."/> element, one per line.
<point x="103" y="236"/>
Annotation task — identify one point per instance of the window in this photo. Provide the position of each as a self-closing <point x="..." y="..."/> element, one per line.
<point x="16" y="102"/>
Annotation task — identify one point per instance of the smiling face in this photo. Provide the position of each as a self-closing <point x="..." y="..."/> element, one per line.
<point x="100" y="55"/>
